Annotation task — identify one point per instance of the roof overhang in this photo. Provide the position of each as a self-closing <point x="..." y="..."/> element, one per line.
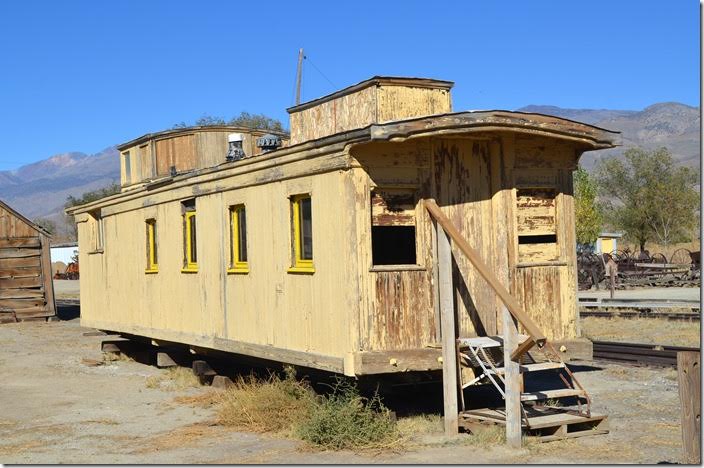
<point x="587" y="136"/>
<point x="498" y="120"/>
<point x="188" y="130"/>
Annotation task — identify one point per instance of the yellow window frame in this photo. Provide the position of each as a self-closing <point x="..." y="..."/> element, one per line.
<point x="300" y="265"/>
<point x="190" y="266"/>
<point x="237" y="265"/>
<point x="152" y="259"/>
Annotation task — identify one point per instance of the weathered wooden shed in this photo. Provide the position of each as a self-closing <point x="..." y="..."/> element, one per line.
<point x="26" y="286"/>
<point x="323" y="252"/>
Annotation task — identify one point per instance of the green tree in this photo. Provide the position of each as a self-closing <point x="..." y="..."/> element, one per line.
<point x="93" y="195"/>
<point x="650" y="198"/>
<point x="245" y="119"/>
<point x="259" y="121"/>
<point x="47" y="224"/>
<point x="588" y="215"/>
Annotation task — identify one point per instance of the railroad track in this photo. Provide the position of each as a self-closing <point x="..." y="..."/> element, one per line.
<point x="674" y="316"/>
<point x="638" y="353"/>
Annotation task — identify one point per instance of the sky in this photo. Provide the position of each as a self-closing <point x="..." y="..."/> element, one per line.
<point x="85" y="75"/>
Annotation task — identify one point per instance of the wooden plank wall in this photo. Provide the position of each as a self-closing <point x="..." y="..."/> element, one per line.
<point x="373" y="104"/>
<point x="269" y="306"/>
<point x="475" y="182"/>
<point x="26" y="289"/>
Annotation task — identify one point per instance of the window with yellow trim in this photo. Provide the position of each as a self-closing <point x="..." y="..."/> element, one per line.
<point x="238" y="240"/>
<point x="152" y="253"/>
<point x="190" y="251"/>
<point x="302" y="235"/>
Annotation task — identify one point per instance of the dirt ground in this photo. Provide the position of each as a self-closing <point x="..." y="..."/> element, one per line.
<point x="642" y="330"/>
<point x="57" y="406"/>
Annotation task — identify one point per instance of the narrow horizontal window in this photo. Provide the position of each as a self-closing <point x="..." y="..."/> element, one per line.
<point x="542" y="239"/>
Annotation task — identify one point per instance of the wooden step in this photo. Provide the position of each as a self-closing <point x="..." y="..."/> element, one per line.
<point x="486" y="341"/>
<point x="554" y="424"/>
<point x="548" y="394"/>
<point x="538" y="366"/>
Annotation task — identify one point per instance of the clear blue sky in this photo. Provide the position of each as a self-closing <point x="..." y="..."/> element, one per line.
<point x="84" y="75"/>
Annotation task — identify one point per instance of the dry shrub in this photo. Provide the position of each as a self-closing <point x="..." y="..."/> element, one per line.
<point x="345" y="420"/>
<point x="175" y="378"/>
<point x="265" y="405"/>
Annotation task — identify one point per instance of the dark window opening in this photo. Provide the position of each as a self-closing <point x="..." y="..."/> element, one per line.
<point x="394" y="245"/>
<point x="543" y="239"/>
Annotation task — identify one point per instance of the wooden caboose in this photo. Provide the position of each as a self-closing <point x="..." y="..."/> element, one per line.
<point x="26" y="285"/>
<point x="321" y="252"/>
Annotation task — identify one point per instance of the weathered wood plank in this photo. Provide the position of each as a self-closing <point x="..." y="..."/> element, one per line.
<point x="21" y="293"/>
<point x="47" y="276"/>
<point x="448" y="329"/>
<point x="14" y="283"/>
<point x="25" y="262"/>
<point x="690" y="389"/>
<point x="19" y="272"/>
<point x="19" y="253"/>
<point x="512" y="377"/>
<point x="511" y="303"/>
<point x="19" y="304"/>
<point x="19" y="242"/>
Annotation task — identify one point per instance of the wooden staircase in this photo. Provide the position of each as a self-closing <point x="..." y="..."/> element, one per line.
<point x="504" y="361"/>
<point x="544" y="413"/>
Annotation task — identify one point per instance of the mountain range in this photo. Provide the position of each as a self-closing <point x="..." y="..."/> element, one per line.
<point x="40" y="189"/>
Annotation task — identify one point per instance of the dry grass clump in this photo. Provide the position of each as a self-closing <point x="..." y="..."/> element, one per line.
<point x="641" y="330"/>
<point x="345" y="420"/>
<point x="265" y="405"/>
<point x="494" y="434"/>
<point x="341" y="420"/>
<point x="175" y="378"/>
<point x="111" y="357"/>
<point x="420" y="424"/>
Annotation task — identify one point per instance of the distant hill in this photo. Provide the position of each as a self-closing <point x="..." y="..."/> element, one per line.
<point x="670" y="124"/>
<point x="40" y="189"/>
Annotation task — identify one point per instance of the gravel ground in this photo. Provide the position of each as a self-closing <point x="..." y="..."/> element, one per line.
<point x="59" y="407"/>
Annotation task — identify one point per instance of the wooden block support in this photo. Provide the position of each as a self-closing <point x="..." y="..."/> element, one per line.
<point x="109" y="347"/>
<point x="690" y="387"/>
<point x="447" y="329"/>
<point x="203" y="369"/>
<point x="221" y="381"/>
<point x="164" y="360"/>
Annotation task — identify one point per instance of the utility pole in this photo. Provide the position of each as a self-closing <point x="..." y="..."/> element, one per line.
<point x="299" y="71"/>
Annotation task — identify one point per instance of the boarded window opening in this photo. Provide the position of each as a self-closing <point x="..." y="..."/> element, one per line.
<point x="536" y="224"/>
<point x="393" y="227"/>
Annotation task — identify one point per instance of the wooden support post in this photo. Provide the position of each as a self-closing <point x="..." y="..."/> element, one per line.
<point x="512" y="378"/>
<point x="447" y="328"/>
<point x="689" y="382"/>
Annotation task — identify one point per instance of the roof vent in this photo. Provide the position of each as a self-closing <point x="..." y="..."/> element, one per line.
<point x="234" y="147"/>
<point x="268" y="142"/>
